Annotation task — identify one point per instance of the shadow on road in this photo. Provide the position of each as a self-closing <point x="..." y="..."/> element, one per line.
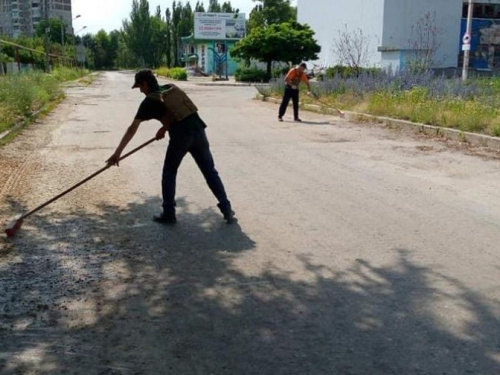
<point x="305" y="122"/>
<point x="113" y="293"/>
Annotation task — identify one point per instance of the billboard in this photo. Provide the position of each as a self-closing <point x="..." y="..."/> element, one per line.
<point x="219" y="26"/>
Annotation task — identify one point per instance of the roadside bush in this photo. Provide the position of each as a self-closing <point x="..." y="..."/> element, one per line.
<point x="23" y="94"/>
<point x="348" y="72"/>
<point x="63" y="74"/>
<point x="178" y="74"/>
<point x="280" y="72"/>
<point x="251" y="75"/>
<point x="423" y="97"/>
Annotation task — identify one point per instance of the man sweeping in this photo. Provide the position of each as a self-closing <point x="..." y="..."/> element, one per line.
<point x="292" y="80"/>
<point x="179" y="116"/>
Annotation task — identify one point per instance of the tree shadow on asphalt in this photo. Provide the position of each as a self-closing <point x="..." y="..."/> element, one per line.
<point x="114" y="293"/>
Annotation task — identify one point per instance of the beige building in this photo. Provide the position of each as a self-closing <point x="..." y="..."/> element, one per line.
<point x="22" y="16"/>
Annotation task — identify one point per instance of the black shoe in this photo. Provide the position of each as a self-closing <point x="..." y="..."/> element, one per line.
<point x="229" y="217"/>
<point x="280" y="119"/>
<point x="165" y="219"/>
<point x="297" y="119"/>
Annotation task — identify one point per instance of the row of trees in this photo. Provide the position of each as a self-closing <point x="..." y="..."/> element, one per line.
<point x="273" y="35"/>
<point x="153" y="40"/>
<point x="148" y="40"/>
<point x="26" y="50"/>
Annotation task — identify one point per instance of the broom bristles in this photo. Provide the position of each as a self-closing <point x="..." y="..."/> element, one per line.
<point x="14" y="226"/>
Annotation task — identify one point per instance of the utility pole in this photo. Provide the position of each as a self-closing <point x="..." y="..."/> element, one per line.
<point x="46" y="37"/>
<point x="62" y="36"/>
<point x="1" y="62"/>
<point x="466" y="43"/>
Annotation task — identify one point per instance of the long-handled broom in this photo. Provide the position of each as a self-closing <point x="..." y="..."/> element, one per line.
<point x="17" y="222"/>
<point x="341" y="114"/>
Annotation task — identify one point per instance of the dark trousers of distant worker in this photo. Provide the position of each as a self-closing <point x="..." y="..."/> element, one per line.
<point x="290" y="94"/>
<point x="196" y="143"/>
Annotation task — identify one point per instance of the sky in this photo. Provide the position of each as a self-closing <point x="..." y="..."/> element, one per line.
<point x="108" y="14"/>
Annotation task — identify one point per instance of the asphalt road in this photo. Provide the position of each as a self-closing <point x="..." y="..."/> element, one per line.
<point x="359" y="249"/>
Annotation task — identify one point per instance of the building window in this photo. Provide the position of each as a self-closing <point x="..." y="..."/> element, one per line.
<point x="482" y="10"/>
<point x="489" y="11"/>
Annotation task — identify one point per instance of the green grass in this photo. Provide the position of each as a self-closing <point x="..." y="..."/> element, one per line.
<point x="178" y="74"/>
<point x="465" y="115"/>
<point x="478" y="114"/>
<point x="23" y="96"/>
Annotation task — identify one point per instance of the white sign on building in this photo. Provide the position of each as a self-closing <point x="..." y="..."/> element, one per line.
<point x="219" y="26"/>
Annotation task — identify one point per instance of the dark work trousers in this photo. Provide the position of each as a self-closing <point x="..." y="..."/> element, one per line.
<point x="290" y="94"/>
<point x="196" y="143"/>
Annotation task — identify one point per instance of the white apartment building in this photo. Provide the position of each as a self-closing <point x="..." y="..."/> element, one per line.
<point x="388" y="25"/>
<point x="22" y="16"/>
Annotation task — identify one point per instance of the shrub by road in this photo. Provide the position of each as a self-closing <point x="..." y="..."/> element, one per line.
<point x="419" y="97"/>
<point x="23" y="96"/>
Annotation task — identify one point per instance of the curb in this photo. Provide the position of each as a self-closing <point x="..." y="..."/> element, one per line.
<point x="25" y="122"/>
<point x="21" y="124"/>
<point x="13" y="129"/>
<point x="474" y="139"/>
<point x="34" y="116"/>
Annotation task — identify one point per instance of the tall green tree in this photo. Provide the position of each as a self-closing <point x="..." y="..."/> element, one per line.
<point x="139" y="32"/>
<point x="101" y="50"/>
<point x="227" y="8"/>
<point x="214" y="6"/>
<point x="158" y="41"/>
<point x="89" y="42"/>
<point x="25" y="57"/>
<point x="114" y="45"/>
<point x="269" y="12"/>
<point x="180" y="23"/>
<point x="186" y="21"/>
<point x="124" y="56"/>
<point x="176" y="19"/>
<point x="104" y="48"/>
<point x="55" y="26"/>
<point x="290" y="42"/>
<point x="168" y="47"/>
<point x="199" y="7"/>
